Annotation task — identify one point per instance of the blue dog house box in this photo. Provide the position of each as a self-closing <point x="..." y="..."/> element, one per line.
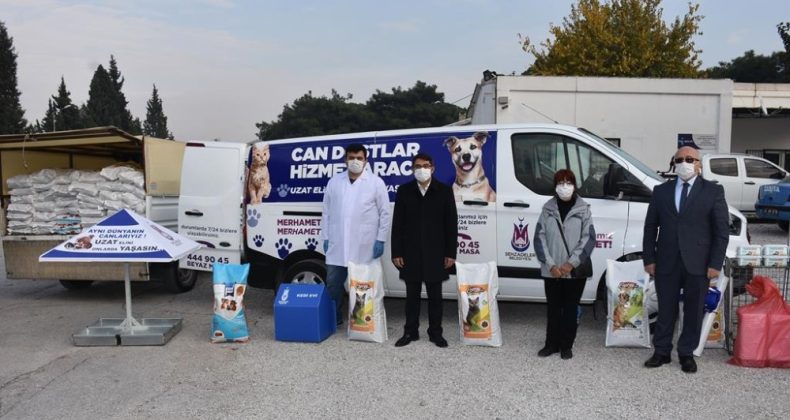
<point x="303" y="312"/>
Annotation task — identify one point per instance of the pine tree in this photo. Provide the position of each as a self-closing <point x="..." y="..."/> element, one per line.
<point x="66" y="114"/>
<point x="102" y="106"/>
<point x="155" y="120"/>
<point x="126" y="121"/>
<point x="12" y="116"/>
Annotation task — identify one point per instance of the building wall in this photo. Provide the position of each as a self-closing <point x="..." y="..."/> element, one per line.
<point x="646" y="115"/>
<point x="763" y="134"/>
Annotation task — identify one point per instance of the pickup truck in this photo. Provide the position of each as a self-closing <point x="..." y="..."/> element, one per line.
<point x="742" y="176"/>
<point x="773" y="202"/>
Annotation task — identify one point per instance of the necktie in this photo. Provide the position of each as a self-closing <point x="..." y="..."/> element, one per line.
<point x="683" y="193"/>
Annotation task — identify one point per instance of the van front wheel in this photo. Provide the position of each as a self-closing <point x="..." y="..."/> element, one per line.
<point x="306" y="272"/>
<point x="181" y="280"/>
<point x="784" y="224"/>
<point x="76" y="284"/>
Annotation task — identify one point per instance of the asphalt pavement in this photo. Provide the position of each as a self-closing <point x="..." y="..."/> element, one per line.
<point x="44" y="376"/>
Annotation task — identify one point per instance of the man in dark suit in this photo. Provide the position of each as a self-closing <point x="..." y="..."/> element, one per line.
<point x="685" y="239"/>
<point x="424" y="245"/>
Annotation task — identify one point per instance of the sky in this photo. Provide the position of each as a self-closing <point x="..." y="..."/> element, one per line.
<point x="222" y="65"/>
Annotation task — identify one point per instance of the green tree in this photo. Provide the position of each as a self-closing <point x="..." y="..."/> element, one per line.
<point x="312" y="116"/>
<point x="419" y="106"/>
<point x="752" y="68"/>
<point x="784" y="32"/>
<point x="102" y="106"/>
<point x="65" y="114"/>
<point x="155" y="120"/>
<point x="12" y="116"/>
<point x="126" y="120"/>
<point x="626" y="38"/>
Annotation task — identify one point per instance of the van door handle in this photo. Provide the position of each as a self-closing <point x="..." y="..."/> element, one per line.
<point x="193" y="213"/>
<point x="476" y="202"/>
<point x="517" y="204"/>
<point x="749" y="182"/>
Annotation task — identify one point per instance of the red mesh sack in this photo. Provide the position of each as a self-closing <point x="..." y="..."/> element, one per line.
<point x="763" y="338"/>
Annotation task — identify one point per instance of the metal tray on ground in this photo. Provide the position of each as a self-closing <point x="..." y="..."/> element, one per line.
<point x="111" y="332"/>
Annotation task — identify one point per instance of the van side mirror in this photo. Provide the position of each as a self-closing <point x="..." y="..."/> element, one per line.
<point x="618" y="183"/>
<point x="634" y="189"/>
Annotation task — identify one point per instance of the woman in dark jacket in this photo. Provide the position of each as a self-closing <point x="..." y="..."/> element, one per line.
<point x="564" y="239"/>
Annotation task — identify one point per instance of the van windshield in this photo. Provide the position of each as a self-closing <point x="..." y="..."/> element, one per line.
<point x="622" y="153"/>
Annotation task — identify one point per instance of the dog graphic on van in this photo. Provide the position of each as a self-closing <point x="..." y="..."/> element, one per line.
<point x="260" y="185"/>
<point x="471" y="182"/>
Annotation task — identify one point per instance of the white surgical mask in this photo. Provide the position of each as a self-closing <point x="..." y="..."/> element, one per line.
<point x="564" y="191"/>
<point x="685" y="170"/>
<point x="422" y="174"/>
<point x="355" y="166"/>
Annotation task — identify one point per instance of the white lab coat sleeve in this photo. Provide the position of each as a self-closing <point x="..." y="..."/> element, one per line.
<point x="385" y="210"/>
<point x="325" y="212"/>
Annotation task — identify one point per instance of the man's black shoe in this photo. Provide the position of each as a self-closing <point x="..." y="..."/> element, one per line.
<point x="548" y="351"/>
<point x="687" y="364"/>
<point x="657" y="360"/>
<point x="439" y="341"/>
<point x="566" y="354"/>
<point x="406" y="339"/>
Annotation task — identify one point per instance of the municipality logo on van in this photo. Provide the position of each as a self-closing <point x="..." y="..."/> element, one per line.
<point x="520" y="241"/>
<point x="284" y="296"/>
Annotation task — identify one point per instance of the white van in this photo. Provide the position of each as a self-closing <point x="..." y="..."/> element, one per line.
<point x="280" y="234"/>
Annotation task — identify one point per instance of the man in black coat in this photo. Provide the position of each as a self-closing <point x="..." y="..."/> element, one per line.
<point x="685" y="240"/>
<point x="424" y="245"/>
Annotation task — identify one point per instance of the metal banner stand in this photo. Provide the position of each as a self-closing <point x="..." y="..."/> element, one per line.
<point x="128" y="331"/>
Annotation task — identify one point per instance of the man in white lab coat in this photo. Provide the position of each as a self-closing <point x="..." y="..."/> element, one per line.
<point x="355" y="221"/>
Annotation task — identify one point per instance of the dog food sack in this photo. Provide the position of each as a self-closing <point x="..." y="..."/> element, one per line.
<point x="627" y="318"/>
<point x="478" y="286"/>
<point x="230" y="323"/>
<point x="367" y="320"/>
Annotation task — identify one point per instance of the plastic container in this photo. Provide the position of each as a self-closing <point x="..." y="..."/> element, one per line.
<point x="775" y="261"/>
<point x="774" y="251"/>
<point x="749" y="251"/>
<point x="749" y="261"/>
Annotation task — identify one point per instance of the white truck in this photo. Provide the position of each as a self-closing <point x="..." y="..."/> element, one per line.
<point x="741" y="176"/>
<point x="279" y="236"/>
<point x="92" y="149"/>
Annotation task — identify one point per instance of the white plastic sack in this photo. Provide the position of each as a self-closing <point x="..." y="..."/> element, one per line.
<point x="19" y="181"/>
<point x="133" y="177"/>
<point x="367" y="320"/>
<point x="43" y="176"/>
<point x="627" y="318"/>
<point x="90" y="177"/>
<point x="44" y="206"/>
<point x="478" y="286"/>
<point x="20" y="208"/>
<point x="21" y="191"/>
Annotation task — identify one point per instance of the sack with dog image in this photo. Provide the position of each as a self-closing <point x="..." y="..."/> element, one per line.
<point x="627" y="323"/>
<point x="230" y="323"/>
<point x="367" y="320"/>
<point x="478" y="286"/>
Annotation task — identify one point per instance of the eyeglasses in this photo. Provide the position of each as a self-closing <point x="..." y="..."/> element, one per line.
<point x="423" y="166"/>
<point x="687" y="159"/>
